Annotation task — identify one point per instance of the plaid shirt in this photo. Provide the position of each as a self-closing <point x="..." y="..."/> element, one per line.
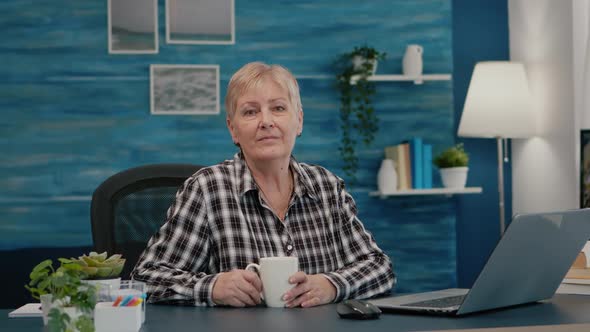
<point x="219" y="222"/>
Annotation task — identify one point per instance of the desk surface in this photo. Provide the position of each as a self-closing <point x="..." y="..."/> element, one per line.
<point x="562" y="309"/>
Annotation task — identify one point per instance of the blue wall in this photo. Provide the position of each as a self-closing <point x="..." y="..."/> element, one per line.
<point x="74" y="115"/>
<point x="480" y="33"/>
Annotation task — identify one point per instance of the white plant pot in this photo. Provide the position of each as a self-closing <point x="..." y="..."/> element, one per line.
<point x="358" y="61"/>
<point x="46" y="303"/>
<point x="114" y="283"/>
<point x="105" y="288"/>
<point x="73" y="312"/>
<point x="454" y="177"/>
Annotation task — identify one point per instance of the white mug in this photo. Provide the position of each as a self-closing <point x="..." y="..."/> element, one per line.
<point x="274" y="273"/>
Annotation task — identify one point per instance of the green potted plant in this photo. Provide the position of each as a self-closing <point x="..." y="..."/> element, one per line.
<point x="100" y="268"/>
<point x="67" y="302"/>
<point x="452" y="164"/>
<point x="357" y="115"/>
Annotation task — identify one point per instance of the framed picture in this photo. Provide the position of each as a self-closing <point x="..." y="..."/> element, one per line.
<point x="585" y="168"/>
<point x="133" y="26"/>
<point x="200" y="21"/>
<point x="184" y="89"/>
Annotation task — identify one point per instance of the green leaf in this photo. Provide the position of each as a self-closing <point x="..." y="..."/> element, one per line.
<point x="35" y="276"/>
<point x="104" y="271"/>
<point x="113" y="258"/>
<point x="90" y="270"/>
<point x="118" y="269"/>
<point x="44" y="264"/>
<point x="454" y="156"/>
<point x="65" y="260"/>
<point x="90" y="261"/>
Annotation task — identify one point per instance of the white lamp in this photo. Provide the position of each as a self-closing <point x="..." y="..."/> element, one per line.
<point x="498" y="105"/>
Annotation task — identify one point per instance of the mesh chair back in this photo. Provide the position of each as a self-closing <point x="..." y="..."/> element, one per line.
<point x="130" y="206"/>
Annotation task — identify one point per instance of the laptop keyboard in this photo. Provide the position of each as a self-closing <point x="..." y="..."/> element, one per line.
<point x="442" y="302"/>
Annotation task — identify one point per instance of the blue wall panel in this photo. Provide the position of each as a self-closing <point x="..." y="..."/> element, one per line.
<point x="72" y="114"/>
<point x="480" y="33"/>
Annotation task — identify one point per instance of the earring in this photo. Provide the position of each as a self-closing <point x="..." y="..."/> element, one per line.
<point x="299" y="135"/>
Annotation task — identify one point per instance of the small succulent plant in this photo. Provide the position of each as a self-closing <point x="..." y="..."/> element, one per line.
<point x="455" y="156"/>
<point x="99" y="266"/>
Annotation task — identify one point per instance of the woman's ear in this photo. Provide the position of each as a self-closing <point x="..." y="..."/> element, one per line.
<point x="300" y="120"/>
<point x="232" y="132"/>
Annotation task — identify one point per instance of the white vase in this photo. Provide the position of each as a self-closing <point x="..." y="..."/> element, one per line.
<point x="412" y="62"/>
<point x="387" y="177"/>
<point x="454" y="177"/>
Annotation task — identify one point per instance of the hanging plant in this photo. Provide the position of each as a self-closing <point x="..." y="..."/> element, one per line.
<point x="357" y="115"/>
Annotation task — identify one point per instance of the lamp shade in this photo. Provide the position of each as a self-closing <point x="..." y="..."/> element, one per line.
<point x="498" y="102"/>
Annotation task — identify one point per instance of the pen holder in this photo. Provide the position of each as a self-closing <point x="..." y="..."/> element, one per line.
<point x="131" y="288"/>
<point x="116" y="319"/>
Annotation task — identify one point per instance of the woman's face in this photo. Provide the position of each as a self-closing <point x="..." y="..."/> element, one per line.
<point x="265" y="123"/>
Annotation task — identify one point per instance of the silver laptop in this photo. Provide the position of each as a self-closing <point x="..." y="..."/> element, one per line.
<point x="527" y="265"/>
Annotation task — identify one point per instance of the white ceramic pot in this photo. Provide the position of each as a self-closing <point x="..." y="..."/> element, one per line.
<point x="114" y="283"/>
<point x="74" y="314"/>
<point x="46" y="302"/>
<point x="454" y="177"/>
<point x="358" y="61"/>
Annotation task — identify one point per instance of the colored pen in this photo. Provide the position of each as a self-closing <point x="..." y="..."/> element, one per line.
<point x="135" y="302"/>
<point x="132" y="302"/>
<point x="126" y="300"/>
<point x="117" y="301"/>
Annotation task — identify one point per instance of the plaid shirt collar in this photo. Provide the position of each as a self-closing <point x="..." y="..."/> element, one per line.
<point x="245" y="180"/>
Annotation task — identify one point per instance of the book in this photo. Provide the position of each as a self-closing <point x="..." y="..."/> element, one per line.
<point x="576" y="273"/>
<point x="416" y="160"/>
<point x="407" y="162"/>
<point x="586" y="252"/>
<point x="27" y="310"/>
<point x="427" y="166"/>
<point x="391" y="152"/>
<point x="567" y="288"/>
<point x="580" y="262"/>
<point x="576" y="281"/>
<point x="398" y="154"/>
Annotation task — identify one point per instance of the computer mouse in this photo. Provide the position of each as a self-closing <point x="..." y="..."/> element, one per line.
<point x="356" y="309"/>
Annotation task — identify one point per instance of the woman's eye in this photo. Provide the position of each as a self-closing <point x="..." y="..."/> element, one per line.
<point x="249" y="112"/>
<point x="280" y="108"/>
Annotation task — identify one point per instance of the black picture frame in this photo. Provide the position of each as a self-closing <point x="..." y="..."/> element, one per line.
<point x="584" y="168"/>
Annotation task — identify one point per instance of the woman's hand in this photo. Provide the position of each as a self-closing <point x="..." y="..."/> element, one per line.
<point x="310" y="290"/>
<point x="237" y="288"/>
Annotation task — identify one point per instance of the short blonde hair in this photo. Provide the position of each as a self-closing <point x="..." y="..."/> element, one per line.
<point x="251" y="75"/>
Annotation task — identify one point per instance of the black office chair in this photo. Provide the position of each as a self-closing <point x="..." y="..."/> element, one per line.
<point x="130" y="206"/>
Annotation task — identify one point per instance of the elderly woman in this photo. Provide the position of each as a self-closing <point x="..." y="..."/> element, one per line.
<point x="262" y="203"/>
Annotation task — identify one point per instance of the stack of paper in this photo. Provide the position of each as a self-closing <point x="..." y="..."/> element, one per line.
<point x="27" y="310"/>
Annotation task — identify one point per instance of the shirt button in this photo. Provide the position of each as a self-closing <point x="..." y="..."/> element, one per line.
<point x="289" y="247"/>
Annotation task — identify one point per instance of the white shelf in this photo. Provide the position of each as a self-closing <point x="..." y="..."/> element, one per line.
<point x="433" y="191"/>
<point x="416" y="79"/>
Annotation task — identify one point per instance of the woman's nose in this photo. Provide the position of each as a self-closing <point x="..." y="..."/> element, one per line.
<point x="266" y="120"/>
